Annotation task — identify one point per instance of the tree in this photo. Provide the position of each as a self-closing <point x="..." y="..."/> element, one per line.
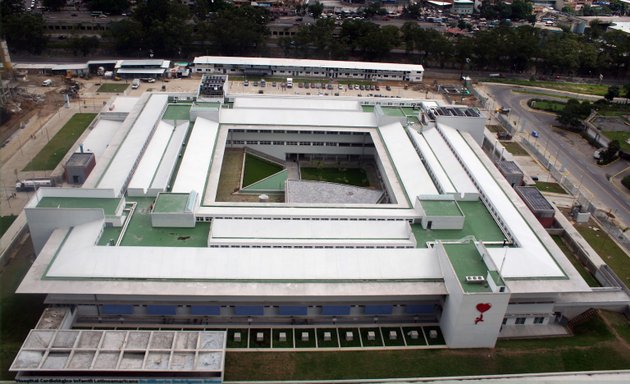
<point x="610" y="153"/>
<point x="54" y="5"/>
<point x="626" y="181"/>
<point x="613" y="91"/>
<point x="25" y="31"/>
<point x="127" y="35"/>
<point x="573" y="113"/>
<point x="626" y="91"/>
<point x="316" y="9"/>
<point x="84" y="44"/>
<point x="237" y="30"/>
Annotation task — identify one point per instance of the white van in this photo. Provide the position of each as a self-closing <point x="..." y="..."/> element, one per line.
<point x="135" y="84"/>
<point x="46" y="83"/>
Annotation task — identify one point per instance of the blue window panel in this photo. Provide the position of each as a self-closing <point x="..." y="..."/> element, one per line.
<point x="249" y="310"/>
<point x="207" y="310"/>
<point x="335" y="310"/>
<point x="378" y="309"/>
<point x="117" y="309"/>
<point x="419" y="309"/>
<point x="292" y="310"/>
<point x="163" y="310"/>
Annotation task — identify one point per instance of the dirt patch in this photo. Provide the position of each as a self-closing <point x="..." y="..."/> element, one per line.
<point x="30" y="100"/>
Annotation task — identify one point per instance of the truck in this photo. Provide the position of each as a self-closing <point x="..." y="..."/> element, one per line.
<point x="33" y="184"/>
<point x="289" y="82"/>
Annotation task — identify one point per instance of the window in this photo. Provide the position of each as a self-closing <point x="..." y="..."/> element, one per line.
<point x="520" y="320"/>
<point x="504" y="321"/>
<point x="539" y="320"/>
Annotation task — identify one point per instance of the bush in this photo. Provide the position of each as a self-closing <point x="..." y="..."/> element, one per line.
<point x="626" y="181"/>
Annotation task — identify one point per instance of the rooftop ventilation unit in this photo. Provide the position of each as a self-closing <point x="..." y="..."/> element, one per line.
<point x="475" y="279"/>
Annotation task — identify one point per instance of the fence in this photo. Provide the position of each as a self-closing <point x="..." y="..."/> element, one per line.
<point x="602" y="217"/>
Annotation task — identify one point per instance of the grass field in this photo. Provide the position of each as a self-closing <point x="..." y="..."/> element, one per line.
<point x="5" y="223"/>
<point x="48" y="158"/>
<point x="586" y="275"/>
<point x="514" y="148"/>
<point x="587" y="89"/>
<point x="112" y="88"/>
<point x="18" y="314"/>
<point x="594" y="347"/>
<point x="622" y="136"/>
<point x="607" y="249"/>
<point x="350" y="176"/>
<point x="257" y="169"/>
<point x="550" y="187"/>
<point x="547" y="105"/>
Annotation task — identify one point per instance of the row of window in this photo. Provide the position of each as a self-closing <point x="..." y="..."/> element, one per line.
<point x="281" y="131"/>
<point x="77" y="27"/>
<point x="309" y="246"/>
<point x="521" y="320"/>
<point x="300" y="143"/>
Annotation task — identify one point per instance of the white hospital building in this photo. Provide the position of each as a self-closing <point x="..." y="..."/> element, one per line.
<point x="167" y="230"/>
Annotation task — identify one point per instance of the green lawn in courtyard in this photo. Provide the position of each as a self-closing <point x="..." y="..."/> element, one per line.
<point x="277" y="343"/>
<point x="255" y="342"/>
<point x="257" y="169"/>
<point x="545" y="186"/>
<point x="586" y="275"/>
<point x="587" y="89"/>
<point x="5" y="223"/>
<point x="547" y="105"/>
<point x="514" y="148"/>
<point x="607" y="249"/>
<point x="231" y="343"/>
<point x="321" y="339"/>
<point x="622" y="136"/>
<point x="309" y="342"/>
<point x="18" y="313"/>
<point x="48" y="158"/>
<point x="112" y="88"/>
<point x="348" y="176"/>
<point x="356" y="340"/>
<point x="592" y="348"/>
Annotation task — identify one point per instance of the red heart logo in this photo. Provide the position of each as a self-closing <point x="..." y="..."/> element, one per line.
<point x="483" y="307"/>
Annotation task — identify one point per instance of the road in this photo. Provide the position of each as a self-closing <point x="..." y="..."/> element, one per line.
<point x="570" y="150"/>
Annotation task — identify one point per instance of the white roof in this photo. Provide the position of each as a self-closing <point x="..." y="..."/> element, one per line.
<point x="432" y="162"/>
<point x="456" y="172"/>
<point x="169" y="158"/>
<point x="312" y="232"/>
<point x="296" y="103"/>
<point x="197" y="158"/>
<point x="293" y="117"/>
<point x="623" y="26"/>
<point x="412" y="173"/>
<point x="267" y="61"/>
<point x="149" y="71"/>
<point x="80" y="258"/>
<point x="123" y="104"/>
<point x="143" y="176"/>
<point x="123" y="162"/>
<point x="100" y="136"/>
<point x="531" y="258"/>
<point x="62" y="67"/>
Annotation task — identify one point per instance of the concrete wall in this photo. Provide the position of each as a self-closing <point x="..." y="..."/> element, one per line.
<point x="179" y="220"/>
<point x="43" y="221"/>
<point x="443" y="222"/>
<point x="462" y="323"/>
